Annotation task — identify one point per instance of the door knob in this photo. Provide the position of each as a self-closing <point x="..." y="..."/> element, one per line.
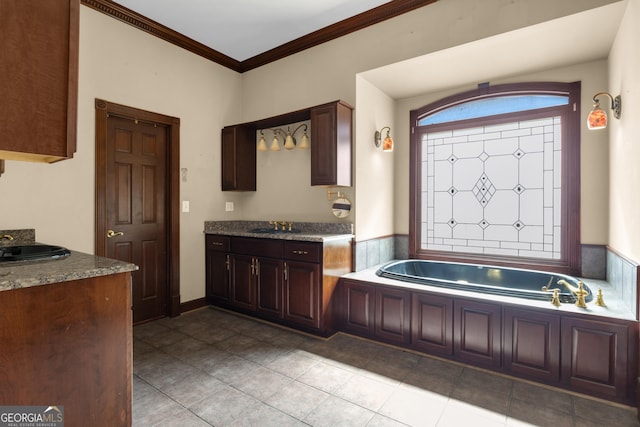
<point x="111" y="233"/>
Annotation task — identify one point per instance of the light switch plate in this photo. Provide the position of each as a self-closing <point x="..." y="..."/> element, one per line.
<point x="185" y="206"/>
<point x="228" y="207"/>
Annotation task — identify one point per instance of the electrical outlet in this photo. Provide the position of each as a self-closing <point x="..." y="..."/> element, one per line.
<point x="185" y="206"/>
<point x="228" y="207"/>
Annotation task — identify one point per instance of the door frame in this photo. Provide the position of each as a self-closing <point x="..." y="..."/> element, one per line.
<point x="103" y="110"/>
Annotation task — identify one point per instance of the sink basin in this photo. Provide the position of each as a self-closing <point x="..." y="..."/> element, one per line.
<point x="270" y="230"/>
<point x="32" y="252"/>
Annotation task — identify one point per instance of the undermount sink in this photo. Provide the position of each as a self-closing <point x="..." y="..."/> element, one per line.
<point x="271" y="230"/>
<point x="32" y="252"/>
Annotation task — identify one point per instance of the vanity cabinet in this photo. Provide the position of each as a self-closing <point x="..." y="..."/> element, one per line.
<point x="289" y="282"/>
<point x="238" y="158"/>
<point x="218" y="265"/>
<point x="39" y="71"/>
<point x="477" y="335"/>
<point x="331" y="144"/>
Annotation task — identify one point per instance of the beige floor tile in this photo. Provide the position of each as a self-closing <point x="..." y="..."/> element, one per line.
<point x="414" y="407"/>
<point x="297" y="399"/>
<point x="366" y="392"/>
<point x="261" y="383"/>
<point x="325" y="377"/>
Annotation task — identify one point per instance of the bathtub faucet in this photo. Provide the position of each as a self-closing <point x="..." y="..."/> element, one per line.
<point x="579" y="292"/>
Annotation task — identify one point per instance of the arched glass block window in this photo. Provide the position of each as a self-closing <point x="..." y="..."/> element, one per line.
<point x="495" y="177"/>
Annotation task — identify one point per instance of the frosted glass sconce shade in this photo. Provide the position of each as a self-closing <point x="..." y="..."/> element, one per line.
<point x="262" y="144"/>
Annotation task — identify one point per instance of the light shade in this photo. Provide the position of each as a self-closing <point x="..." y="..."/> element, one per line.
<point x="262" y="144"/>
<point x="275" y="144"/>
<point x="289" y="144"/>
<point x="597" y="118"/>
<point x="387" y="144"/>
<point x="304" y="142"/>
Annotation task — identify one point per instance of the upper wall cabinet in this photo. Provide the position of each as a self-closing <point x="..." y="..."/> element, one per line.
<point x="331" y="144"/>
<point x="239" y="158"/>
<point x="331" y="133"/>
<point x="38" y="79"/>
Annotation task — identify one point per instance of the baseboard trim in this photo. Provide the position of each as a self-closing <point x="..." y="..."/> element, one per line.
<point x="193" y="305"/>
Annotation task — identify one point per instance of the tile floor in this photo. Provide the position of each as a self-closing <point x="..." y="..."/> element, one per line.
<point x="214" y="368"/>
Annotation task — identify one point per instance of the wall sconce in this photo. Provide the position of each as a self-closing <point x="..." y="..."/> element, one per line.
<point x="387" y="144"/>
<point x="597" y="118"/>
<point x="289" y="140"/>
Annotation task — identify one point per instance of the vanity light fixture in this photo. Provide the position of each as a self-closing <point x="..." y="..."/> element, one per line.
<point x="262" y="143"/>
<point x="387" y="144"/>
<point x="597" y="118"/>
<point x="289" y="140"/>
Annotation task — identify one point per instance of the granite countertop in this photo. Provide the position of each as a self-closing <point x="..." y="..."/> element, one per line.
<point x="301" y="231"/>
<point x="78" y="265"/>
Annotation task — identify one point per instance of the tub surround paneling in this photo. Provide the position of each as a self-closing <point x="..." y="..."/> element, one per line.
<point x="592" y="351"/>
<point x="594" y="261"/>
<point x="622" y="274"/>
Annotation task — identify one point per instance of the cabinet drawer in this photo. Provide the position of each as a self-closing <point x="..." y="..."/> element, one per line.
<point x="303" y="251"/>
<point x="257" y="247"/>
<point x="217" y="243"/>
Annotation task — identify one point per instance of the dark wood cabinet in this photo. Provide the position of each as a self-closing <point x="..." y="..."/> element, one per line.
<point x="432" y="323"/>
<point x="39" y="79"/>
<point x="238" y="158"/>
<point x="357" y="308"/>
<point x="217" y="269"/>
<point x="302" y="293"/>
<point x="477" y="336"/>
<point x="290" y="282"/>
<point x="596" y="357"/>
<point x="331" y="144"/>
<point x="393" y="315"/>
<point x="331" y="141"/>
<point x="532" y="344"/>
<point x="70" y="343"/>
<point x="268" y="273"/>
<point x="375" y="312"/>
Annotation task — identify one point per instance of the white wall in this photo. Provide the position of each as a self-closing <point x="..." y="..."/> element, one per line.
<point x="121" y="64"/>
<point x="624" y="135"/>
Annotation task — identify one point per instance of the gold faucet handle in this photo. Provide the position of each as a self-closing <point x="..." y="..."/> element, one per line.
<point x="600" y="299"/>
<point x="556" y="298"/>
<point x="275" y="225"/>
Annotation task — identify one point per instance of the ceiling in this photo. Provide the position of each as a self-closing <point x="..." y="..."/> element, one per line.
<point x="552" y="44"/>
<point x="246" y="34"/>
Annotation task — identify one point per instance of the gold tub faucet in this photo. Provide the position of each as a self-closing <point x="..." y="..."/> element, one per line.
<point x="579" y="292"/>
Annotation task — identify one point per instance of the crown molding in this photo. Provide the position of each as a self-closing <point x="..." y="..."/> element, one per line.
<point x="339" y="29"/>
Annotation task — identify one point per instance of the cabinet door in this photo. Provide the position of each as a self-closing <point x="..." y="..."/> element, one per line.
<point x="302" y="293"/>
<point x="217" y="269"/>
<point x="331" y="144"/>
<point x="269" y="286"/>
<point x="393" y="315"/>
<point x="595" y="358"/>
<point x="432" y="324"/>
<point x="243" y="288"/>
<point x="357" y="314"/>
<point x="532" y="344"/>
<point x="238" y="158"/>
<point x="39" y="70"/>
<point x="477" y="333"/>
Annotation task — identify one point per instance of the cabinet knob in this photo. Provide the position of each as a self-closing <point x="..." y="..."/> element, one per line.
<point x="216" y="243"/>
